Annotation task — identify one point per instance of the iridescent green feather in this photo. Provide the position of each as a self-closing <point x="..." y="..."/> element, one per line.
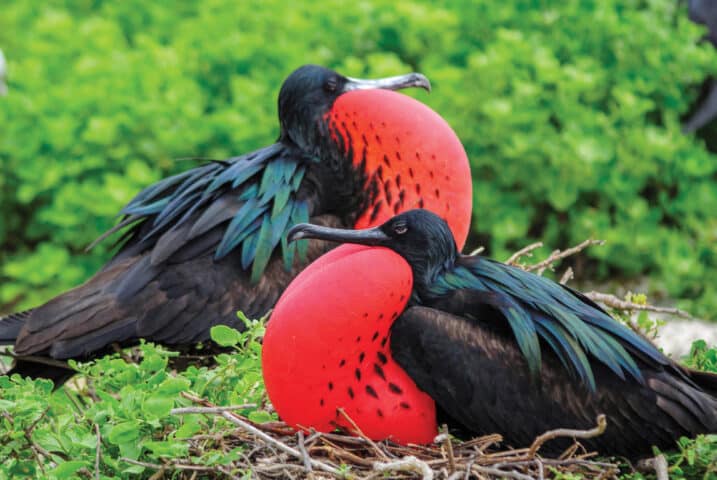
<point x="264" y="184"/>
<point x="573" y="327"/>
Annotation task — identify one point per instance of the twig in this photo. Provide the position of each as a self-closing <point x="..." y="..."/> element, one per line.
<point x="224" y="470"/>
<point x="501" y="473"/>
<point x="469" y="466"/>
<point x="525" y="251"/>
<point x="449" y="448"/>
<point x="97" y="452"/>
<point x="613" y="302"/>
<point x="577" y="461"/>
<point x="313" y="437"/>
<point x="32" y="426"/>
<point x="209" y="410"/>
<point x="563" y="463"/>
<point x="333" y="450"/>
<point x="74" y="401"/>
<point x="302" y="449"/>
<point x="406" y="464"/>
<point x="566" y="432"/>
<point x="567" y="276"/>
<point x="37" y="450"/>
<point x="659" y="465"/>
<point x="158" y="466"/>
<point x="539" y="464"/>
<point x="560" y="254"/>
<point x="281" y="446"/>
<point x="358" y="432"/>
<point x="236" y="420"/>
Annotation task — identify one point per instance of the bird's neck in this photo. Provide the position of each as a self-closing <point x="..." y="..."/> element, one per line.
<point x="332" y="184"/>
<point x="429" y="280"/>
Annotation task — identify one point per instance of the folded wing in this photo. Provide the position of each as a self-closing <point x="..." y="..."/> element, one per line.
<point x="479" y="376"/>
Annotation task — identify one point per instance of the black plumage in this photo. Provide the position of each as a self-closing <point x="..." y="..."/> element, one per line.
<point x="503" y="350"/>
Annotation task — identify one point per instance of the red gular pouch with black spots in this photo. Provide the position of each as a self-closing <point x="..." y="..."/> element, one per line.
<point x="410" y="156"/>
<point x="327" y="347"/>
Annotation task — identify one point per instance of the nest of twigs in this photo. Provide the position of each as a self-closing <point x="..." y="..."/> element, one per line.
<point x="275" y="450"/>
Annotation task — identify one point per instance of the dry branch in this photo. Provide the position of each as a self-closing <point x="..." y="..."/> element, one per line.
<point x="406" y="464"/>
<point x="565" y="432"/>
<point x="567" y="276"/>
<point x="613" y="302"/>
<point x="210" y="410"/>
<point x="606" y="299"/>
<point x="525" y="251"/>
<point x="540" y="267"/>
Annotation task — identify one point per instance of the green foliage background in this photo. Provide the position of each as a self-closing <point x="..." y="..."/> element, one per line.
<point x="570" y="113"/>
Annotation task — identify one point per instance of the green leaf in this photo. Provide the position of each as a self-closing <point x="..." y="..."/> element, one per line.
<point x="225" y="336"/>
<point x="67" y="469"/>
<point x="260" y="416"/>
<point x="157" y="406"/>
<point x="124" y="432"/>
<point x="173" y="386"/>
<point x="168" y="448"/>
<point x="190" y="427"/>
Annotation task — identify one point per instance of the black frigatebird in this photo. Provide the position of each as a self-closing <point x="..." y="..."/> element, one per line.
<point x="497" y="348"/>
<point x="203" y="244"/>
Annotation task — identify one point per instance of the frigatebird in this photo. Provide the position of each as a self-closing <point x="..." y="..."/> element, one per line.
<point x="497" y="348"/>
<point x="208" y="242"/>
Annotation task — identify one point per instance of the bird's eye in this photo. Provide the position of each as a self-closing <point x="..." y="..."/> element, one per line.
<point x="331" y="85"/>
<point x="400" y="229"/>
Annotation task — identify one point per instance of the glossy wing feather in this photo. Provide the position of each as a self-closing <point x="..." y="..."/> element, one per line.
<point x="573" y="327"/>
<point x="253" y="195"/>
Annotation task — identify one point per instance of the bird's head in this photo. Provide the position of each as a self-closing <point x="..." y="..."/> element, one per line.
<point x="377" y="153"/>
<point x="310" y="91"/>
<point x="419" y="236"/>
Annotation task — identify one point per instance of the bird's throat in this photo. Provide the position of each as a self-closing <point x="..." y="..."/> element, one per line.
<point x="327" y="354"/>
<point x="409" y="157"/>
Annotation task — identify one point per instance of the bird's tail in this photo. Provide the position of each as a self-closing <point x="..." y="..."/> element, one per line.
<point x="35" y="367"/>
<point x="11" y="325"/>
<point x="693" y="406"/>
<point x="705" y="380"/>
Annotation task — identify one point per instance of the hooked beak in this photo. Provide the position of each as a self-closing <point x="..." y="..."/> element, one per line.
<point x="389" y="83"/>
<point x="368" y="236"/>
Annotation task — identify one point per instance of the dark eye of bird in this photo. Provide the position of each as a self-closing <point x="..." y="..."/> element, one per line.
<point x="400" y="229"/>
<point x="331" y="85"/>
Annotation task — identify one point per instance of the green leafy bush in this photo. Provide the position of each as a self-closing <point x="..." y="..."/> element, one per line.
<point x="569" y="112"/>
<point x="126" y="406"/>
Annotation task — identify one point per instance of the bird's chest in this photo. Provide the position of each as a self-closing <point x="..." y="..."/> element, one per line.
<point x="326" y="351"/>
